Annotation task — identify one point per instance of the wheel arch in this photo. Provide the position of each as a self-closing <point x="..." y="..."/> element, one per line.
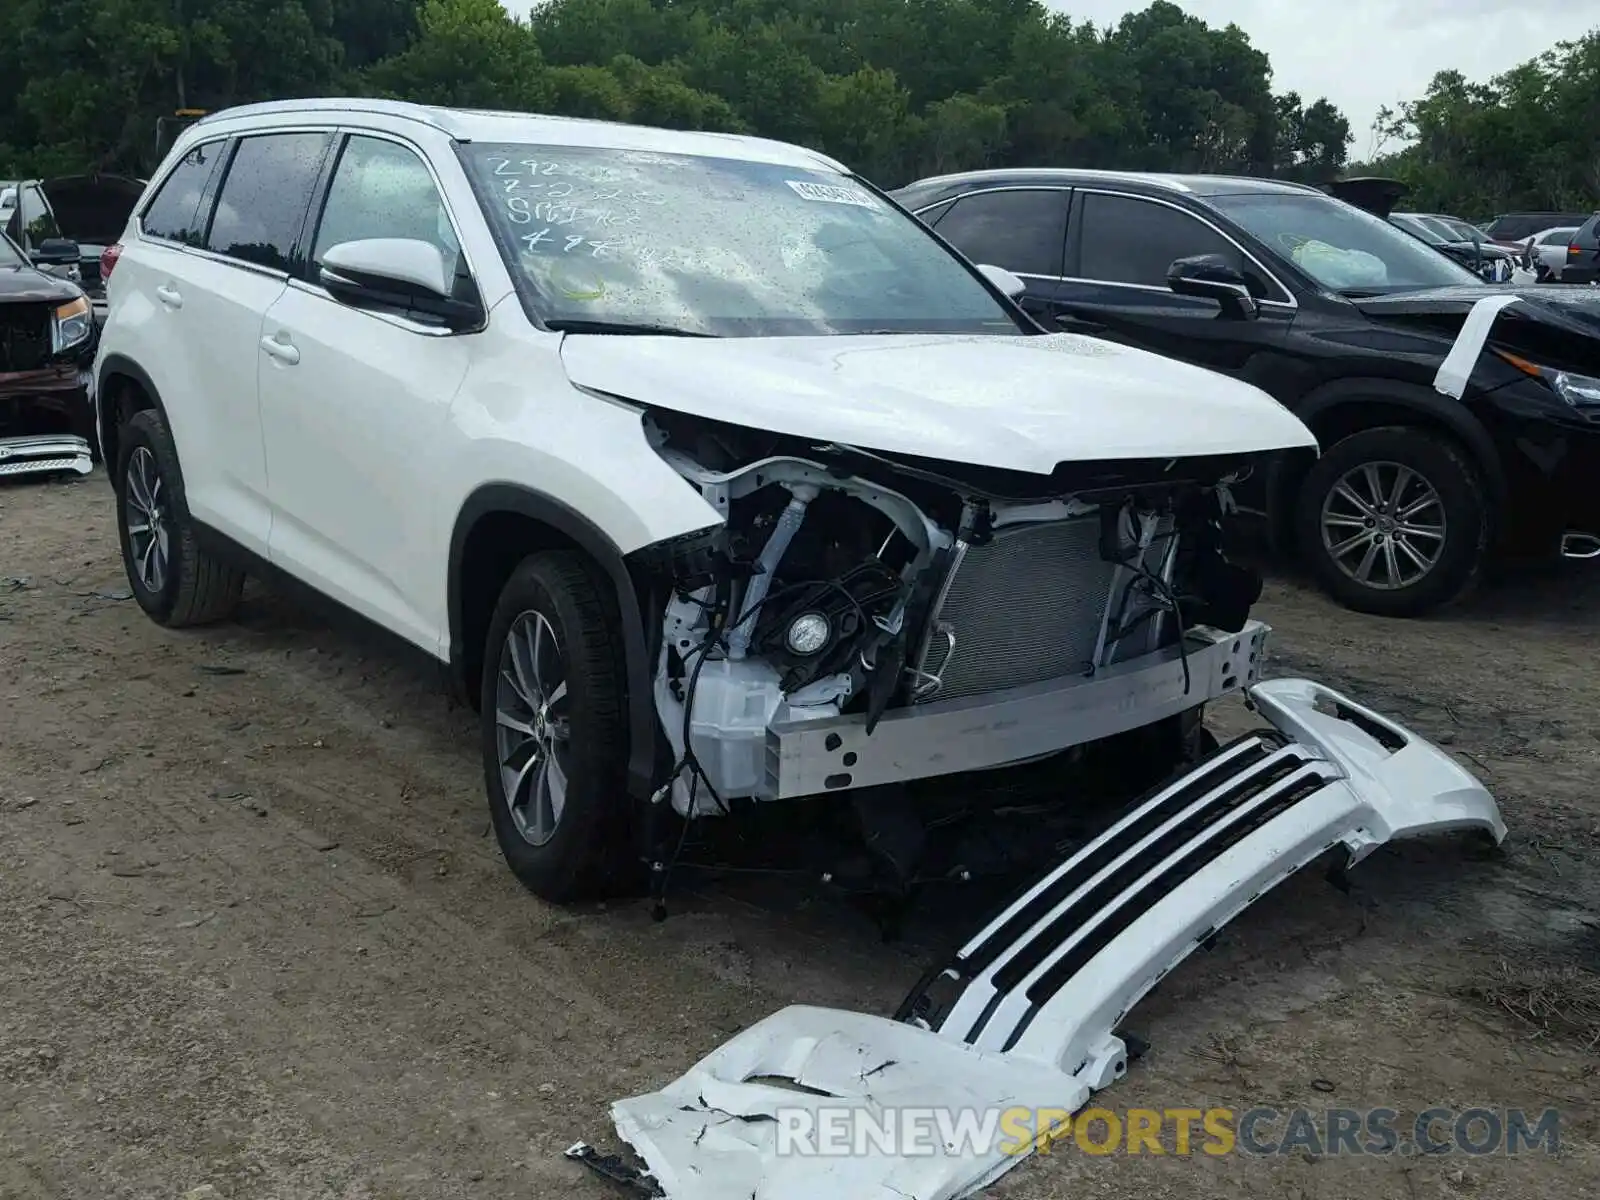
<point x="122" y="388"/>
<point x="1338" y="409"/>
<point x="500" y="524"/>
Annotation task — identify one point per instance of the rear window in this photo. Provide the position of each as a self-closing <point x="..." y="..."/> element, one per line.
<point x="174" y="212"/>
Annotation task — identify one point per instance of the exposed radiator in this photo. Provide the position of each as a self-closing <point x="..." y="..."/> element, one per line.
<point x="1025" y="607"/>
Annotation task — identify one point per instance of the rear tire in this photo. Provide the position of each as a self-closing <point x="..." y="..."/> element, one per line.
<point x="554" y="730"/>
<point x="175" y="582"/>
<point x="1394" y="521"/>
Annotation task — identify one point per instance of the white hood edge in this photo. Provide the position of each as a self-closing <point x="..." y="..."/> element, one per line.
<point x="1022" y="403"/>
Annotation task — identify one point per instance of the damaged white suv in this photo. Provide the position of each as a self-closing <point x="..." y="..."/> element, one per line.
<point x="714" y="476"/>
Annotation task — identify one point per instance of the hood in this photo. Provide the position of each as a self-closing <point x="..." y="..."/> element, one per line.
<point x="92" y="208"/>
<point x="1555" y="326"/>
<point x="1378" y="196"/>
<point x="1486" y="249"/>
<point x="25" y="285"/>
<point x="1575" y="309"/>
<point x="1015" y="403"/>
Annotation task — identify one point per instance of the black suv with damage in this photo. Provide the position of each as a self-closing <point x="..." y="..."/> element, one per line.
<point x="1456" y="418"/>
<point x="47" y="342"/>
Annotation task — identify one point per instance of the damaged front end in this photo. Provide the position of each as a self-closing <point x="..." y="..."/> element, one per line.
<point x="859" y="620"/>
<point x="46" y="346"/>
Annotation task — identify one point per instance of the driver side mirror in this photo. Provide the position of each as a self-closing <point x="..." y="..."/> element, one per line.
<point x="1012" y="285"/>
<point x="1210" y="277"/>
<point x="55" y="252"/>
<point x="406" y="275"/>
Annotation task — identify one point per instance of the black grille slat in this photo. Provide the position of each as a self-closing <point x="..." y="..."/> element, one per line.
<point x="1104" y="894"/>
<point x="24" y="336"/>
<point x="1191" y="864"/>
<point x="1205" y="778"/>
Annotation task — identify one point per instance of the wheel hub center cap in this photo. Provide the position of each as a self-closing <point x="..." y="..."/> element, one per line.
<point x="540" y="726"/>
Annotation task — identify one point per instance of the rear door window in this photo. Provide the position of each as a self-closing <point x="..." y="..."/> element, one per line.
<point x="262" y="206"/>
<point x="1023" y="231"/>
<point x="174" y="211"/>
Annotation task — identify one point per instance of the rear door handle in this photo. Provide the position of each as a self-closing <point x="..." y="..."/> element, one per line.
<point x="169" y="295"/>
<point x="282" y="351"/>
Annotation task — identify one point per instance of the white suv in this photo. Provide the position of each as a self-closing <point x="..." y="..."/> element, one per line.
<point x="712" y="475"/>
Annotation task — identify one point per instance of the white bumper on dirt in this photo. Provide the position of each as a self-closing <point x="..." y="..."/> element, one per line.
<point x="1026" y="1013"/>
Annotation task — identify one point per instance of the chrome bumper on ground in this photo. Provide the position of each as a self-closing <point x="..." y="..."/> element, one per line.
<point x="44" y="454"/>
<point x="805" y="758"/>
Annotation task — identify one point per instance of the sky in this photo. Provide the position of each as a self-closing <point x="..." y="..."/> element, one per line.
<point x="1363" y="54"/>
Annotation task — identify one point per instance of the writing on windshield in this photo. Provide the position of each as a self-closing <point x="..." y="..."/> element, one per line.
<point x="721" y="246"/>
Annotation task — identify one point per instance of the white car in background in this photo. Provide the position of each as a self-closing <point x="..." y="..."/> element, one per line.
<point x="1548" y="250"/>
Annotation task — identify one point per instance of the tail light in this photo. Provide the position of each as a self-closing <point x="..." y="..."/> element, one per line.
<point x="1573" y="251"/>
<point x="108" y="260"/>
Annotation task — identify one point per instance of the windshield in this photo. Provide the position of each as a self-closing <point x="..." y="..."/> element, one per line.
<point x="1343" y="248"/>
<point x="1460" y="231"/>
<point x="716" y="246"/>
<point x="1421" y="227"/>
<point x="10" y="256"/>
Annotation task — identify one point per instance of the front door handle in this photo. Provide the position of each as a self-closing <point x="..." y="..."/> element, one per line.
<point x="1076" y="324"/>
<point x="282" y="351"/>
<point x="169" y="295"/>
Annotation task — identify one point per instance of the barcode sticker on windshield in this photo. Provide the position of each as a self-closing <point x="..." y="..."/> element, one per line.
<point x="831" y="193"/>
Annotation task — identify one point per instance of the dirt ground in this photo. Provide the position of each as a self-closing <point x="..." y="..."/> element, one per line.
<point x="255" y="938"/>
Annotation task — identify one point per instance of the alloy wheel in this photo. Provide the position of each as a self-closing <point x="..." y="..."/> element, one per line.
<point x="532" y="733"/>
<point x="149" y="540"/>
<point x="1383" y="525"/>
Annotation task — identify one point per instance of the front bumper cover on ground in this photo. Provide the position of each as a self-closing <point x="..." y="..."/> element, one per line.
<point x="1026" y="1013"/>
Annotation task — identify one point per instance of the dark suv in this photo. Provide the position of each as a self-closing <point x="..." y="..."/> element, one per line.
<point x="1583" y="253"/>
<point x="1515" y="228"/>
<point x="1426" y="466"/>
<point x="64" y="224"/>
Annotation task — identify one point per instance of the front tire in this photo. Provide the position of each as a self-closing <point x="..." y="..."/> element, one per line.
<point x="553" y="729"/>
<point x="175" y="582"/>
<point x="1394" y="521"/>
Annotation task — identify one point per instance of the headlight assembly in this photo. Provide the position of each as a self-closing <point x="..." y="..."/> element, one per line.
<point x="1577" y="390"/>
<point x="71" y="325"/>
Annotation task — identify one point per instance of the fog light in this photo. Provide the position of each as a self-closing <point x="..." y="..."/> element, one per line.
<point x="808" y="633"/>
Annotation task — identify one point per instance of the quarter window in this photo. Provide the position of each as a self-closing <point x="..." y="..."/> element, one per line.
<point x="1127" y="240"/>
<point x="1022" y="231"/>
<point x="264" y="198"/>
<point x="174" y="213"/>
<point x="383" y="190"/>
